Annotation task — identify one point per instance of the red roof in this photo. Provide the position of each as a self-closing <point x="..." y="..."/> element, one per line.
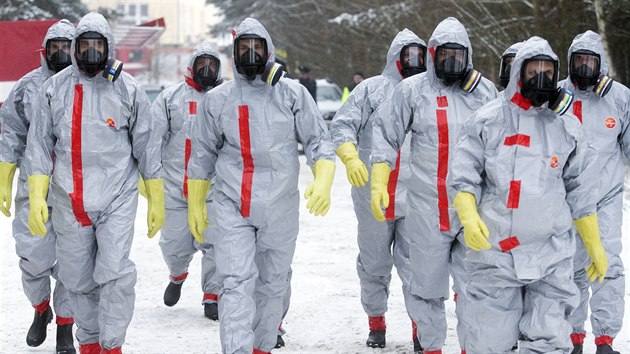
<point x="19" y="47"/>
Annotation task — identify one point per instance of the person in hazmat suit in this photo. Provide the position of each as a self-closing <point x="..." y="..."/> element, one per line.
<point x="351" y="128"/>
<point x="603" y="108"/>
<point x="177" y="107"/>
<point x="37" y="254"/>
<point x="433" y="106"/>
<point x="95" y="120"/>
<point x="247" y="136"/>
<point x="522" y="171"/>
<point x="506" y="63"/>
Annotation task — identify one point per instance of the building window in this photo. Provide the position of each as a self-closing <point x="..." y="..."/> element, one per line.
<point x="144" y="10"/>
<point x="131" y="10"/>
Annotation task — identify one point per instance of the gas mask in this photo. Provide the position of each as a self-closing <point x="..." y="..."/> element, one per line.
<point x="451" y="62"/>
<point x="585" y="66"/>
<point x="539" y="80"/>
<point x="504" y="70"/>
<point x="451" y="66"/>
<point x="412" y="60"/>
<point x="91" y="50"/>
<point x="586" y="72"/>
<point x="58" y="54"/>
<point x="205" y="71"/>
<point x="250" y="55"/>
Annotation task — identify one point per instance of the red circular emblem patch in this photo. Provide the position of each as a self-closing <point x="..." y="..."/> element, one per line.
<point x="610" y="122"/>
<point x="553" y="161"/>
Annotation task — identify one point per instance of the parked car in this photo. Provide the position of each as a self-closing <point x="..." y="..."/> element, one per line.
<point x="328" y="99"/>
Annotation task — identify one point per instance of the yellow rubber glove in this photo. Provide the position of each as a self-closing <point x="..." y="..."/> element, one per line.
<point x="318" y="192"/>
<point x="38" y="214"/>
<point x="155" y="199"/>
<point x="475" y="230"/>
<point x="7" y="171"/>
<point x="589" y="231"/>
<point x="142" y="189"/>
<point x="380" y="197"/>
<point x="197" y="210"/>
<point x="355" y="169"/>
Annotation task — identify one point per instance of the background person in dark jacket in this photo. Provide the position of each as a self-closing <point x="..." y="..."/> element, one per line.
<point x="305" y="79"/>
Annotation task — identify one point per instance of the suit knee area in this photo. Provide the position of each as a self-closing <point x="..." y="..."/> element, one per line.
<point x="274" y="286"/>
<point x="235" y="281"/>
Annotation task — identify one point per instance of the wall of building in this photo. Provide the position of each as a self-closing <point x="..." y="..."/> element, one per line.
<point x="187" y="21"/>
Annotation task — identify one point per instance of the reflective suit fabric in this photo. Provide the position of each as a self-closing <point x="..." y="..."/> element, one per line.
<point x="434" y="113"/>
<point x="353" y="123"/>
<point x="37" y="254"/>
<point x="246" y="136"/>
<point x="101" y="134"/>
<point x="605" y="123"/>
<point x="177" y="107"/>
<point x="523" y="164"/>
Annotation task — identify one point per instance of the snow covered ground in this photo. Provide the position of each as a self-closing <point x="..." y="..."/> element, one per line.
<point x="325" y="315"/>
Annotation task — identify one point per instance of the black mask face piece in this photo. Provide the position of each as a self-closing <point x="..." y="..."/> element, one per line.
<point x="91" y="51"/>
<point x="539" y="79"/>
<point x="247" y="55"/>
<point x="539" y="89"/>
<point x="205" y="72"/>
<point x="412" y="59"/>
<point x="451" y="62"/>
<point x="585" y="68"/>
<point x="58" y="54"/>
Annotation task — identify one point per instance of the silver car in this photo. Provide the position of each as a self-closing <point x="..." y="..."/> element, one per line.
<point x="328" y="99"/>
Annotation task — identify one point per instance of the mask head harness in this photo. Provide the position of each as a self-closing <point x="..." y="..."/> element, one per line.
<point x="91" y="52"/>
<point x="586" y="72"/>
<point x="205" y="71"/>
<point x="58" y="54"/>
<point x="451" y="65"/>
<point x="412" y="60"/>
<point x="505" y="68"/>
<point x="539" y="81"/>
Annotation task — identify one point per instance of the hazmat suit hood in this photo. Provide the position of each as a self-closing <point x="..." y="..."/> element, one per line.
<point x="450" y="30"/>
<point x="93" y="22"/>
<point x="592" y="41"/>
<point x="393" y="65"/>
<point x="61" y="29"/>
<point x="203" y="48"/>
<point x="252" y="26"/>
<point x="513" y="49"/>
<point x="530" y="48"/>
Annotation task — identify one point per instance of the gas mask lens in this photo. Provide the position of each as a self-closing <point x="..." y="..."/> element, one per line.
<point x="92" y="51"/>
<point x="539" y="79"/>
<point x="585" y="68"/>
<point x="412" y="58"/>
<point x="205" y="69"/>
<point x="250" y="54"/>
<point x="451" y="62"/>
<point x="58" y="54"/>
